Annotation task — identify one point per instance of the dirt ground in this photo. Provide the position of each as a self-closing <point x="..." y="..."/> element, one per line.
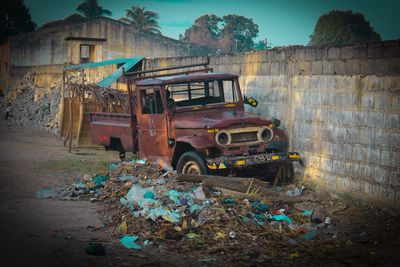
<point x="50" y="232"/>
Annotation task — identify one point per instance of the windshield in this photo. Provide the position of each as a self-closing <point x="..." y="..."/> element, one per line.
<point x="202" y="93"/>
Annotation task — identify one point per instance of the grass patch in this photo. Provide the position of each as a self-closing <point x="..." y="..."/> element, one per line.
<point x="75" y="166"/>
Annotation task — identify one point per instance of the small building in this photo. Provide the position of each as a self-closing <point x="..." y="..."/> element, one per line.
<point x="46" y="51"/>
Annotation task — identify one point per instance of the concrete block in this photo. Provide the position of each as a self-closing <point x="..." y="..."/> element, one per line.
<point x="390" y="49"/>
<point x="382" y="138"/>
<point x="382" y="176"/>
<point x="316" y="68"/>
<point x="394" y="179"/>
<point x="271" y="55"/>
<point x="280" y="54"/>
<point x="328" y="67"/>
<point x="275" y="68"/>
<point x="366" y="136"/>
<point x="374" y="119"/>
<point x="375" y="50"/>
<point x="346" y="52"/>
<point x="395" y="141"/>
<point x="340" y="67"/>
<point x="360" y="51"/>
<point x="339" y="167"/>
<point x="359" y="152"/>
<point x="311" y="53"/>
<point x="391" y="120"/>
<point x="367" y="67"/>
<point x="394" y="66"/>
<point x="326" y="164"/>
<point x="353" y="66"/>
<point x="333" y="52"/>
<point x="300" y="54"/>
<point x="388" y="158"/>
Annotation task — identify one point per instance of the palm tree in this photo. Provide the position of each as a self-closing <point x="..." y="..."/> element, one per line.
<point x="91" y="9"/>
<point x="143" y="20"/>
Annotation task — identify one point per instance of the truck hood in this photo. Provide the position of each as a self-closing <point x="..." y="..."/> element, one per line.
<point x="216" y="119"/>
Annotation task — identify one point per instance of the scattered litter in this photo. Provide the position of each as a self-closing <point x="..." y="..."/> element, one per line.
<point x="307" y="213"/>
<point x="232" y="235"/>
<point x="128" y="241"/>
<point x="282" y="217"/>
<point x="310" y="235"/>
<point x="295" y="192"/>
<point x="46" y="193"/>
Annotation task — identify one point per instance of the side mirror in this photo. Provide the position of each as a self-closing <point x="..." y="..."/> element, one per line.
<point x="250" y="101"/>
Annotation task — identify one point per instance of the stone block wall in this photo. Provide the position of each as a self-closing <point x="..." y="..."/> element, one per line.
<point x="339" y="105"/>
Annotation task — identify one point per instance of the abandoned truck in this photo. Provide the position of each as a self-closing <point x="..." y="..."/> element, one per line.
<point x="196" y="123"/>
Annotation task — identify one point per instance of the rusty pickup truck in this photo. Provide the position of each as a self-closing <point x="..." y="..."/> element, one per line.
<point x="195" y="122"/>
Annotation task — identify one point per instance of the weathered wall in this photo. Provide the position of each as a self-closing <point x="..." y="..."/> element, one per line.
<point x="61" y="44"/>
<point x="339" y="105"/>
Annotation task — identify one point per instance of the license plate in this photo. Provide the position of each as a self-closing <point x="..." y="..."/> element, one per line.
<point x="240" y="162"/>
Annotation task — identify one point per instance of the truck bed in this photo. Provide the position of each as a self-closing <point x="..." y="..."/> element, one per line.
<point x="113" y="130"/>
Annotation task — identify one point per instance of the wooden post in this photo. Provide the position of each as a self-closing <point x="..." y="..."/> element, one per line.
<point x="70" y="121"/>
<point x="60" y="122"/>
<point x="81" y="111"/>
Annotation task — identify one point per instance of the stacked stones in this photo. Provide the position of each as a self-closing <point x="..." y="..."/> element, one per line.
<point x="25" y="111"/>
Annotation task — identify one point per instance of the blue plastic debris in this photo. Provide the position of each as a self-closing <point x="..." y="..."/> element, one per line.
<point x="282" y="217"/>
<point x="46" y="193"/>
<point x="128" y="241"/>
<point x="310" y="235"/>
<point x="229" y="201"/>
<point x="124" y="177"/>
<point x="307" y="213"/>
<point x="99" y="180"/>
<point x="148" y="194"/>
<point x="259" y="207"/>
<point x="112" y="166"/>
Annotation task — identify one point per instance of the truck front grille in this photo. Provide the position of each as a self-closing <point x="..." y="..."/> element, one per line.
<point x="243" y="137"/>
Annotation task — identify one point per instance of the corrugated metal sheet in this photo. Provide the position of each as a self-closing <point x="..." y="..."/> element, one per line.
<point x="99" y="64"/>
<point x="118" y="73"/>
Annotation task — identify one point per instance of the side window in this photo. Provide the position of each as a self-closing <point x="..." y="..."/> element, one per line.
<point x="229" y="91"/>
<point x="151" y="101"/>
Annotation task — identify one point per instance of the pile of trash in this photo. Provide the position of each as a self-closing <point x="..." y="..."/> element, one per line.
<point x="148" y="206"/>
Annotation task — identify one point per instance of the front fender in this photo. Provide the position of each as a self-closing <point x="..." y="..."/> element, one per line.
<point x="196" y="142"/>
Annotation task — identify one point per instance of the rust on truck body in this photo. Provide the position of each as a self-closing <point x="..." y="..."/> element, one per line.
<point x="199" y="112"/>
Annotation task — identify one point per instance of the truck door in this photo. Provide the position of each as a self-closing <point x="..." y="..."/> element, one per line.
<point x="152" y="125"/>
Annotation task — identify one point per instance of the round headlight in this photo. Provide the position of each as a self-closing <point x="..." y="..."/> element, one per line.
<point x="266" y="134"/>
<point x="222" y="138"/>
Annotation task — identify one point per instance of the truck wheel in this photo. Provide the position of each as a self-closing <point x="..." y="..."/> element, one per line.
<point x="191" y="163"/>
<point x="284" y="173"/>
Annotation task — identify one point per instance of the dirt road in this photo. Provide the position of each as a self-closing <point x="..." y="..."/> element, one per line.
<point x="44" y="232"/>
<point x="50" y="232"/>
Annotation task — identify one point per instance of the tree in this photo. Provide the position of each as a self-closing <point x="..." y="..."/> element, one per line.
<point x="238" y="33"/>
<point x="74" y="18"/>
<point x="343" y="27"/>
<point x="14" y="18"/>
<point x="205" y="31"/>
<point x="143" y="20"/>
<point x="231" y="33"/>
<point x="91" y="9"/>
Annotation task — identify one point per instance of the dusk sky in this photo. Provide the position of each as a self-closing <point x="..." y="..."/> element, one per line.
<point x="282" y="22"/>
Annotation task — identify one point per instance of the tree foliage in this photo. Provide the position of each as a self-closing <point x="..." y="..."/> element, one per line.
<point x="74" y="18"/>
<point x="231" y="33"/>
<point x="143" y="20"/>
<point x="14" y="18"/>
<point x="343" y="27"/>
<point x="91" y="9"/>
